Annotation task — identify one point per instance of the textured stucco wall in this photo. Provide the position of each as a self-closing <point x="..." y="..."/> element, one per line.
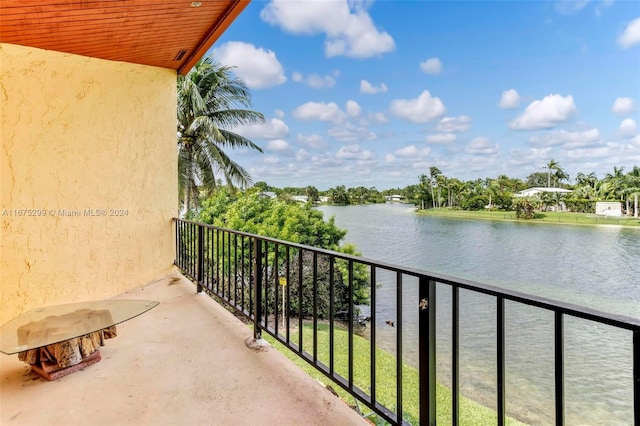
<point x="80" y="134"/>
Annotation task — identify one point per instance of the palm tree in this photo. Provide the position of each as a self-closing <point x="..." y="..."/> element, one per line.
<point x="612" y="185"/>
<point x="211" y="102"/>
<point x="560" y="175"/>
<point x="552" y="165"/>
<point x="632" y="188"/>
<point x="339" y="195"/>
<point x="434" y="172"/>
<point x="422" y="189"/>
<point x="493" y="189"/>
<point x="312" y="194"/>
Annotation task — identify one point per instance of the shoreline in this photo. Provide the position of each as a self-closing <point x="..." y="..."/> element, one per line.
<point x="495" y="216"/>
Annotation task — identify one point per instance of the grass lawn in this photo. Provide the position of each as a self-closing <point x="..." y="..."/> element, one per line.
<point x="471" y="413"/>
<point x="540" y="217"/>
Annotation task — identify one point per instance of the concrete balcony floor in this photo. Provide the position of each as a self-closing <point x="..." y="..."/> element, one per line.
<point x="182" y="363"/>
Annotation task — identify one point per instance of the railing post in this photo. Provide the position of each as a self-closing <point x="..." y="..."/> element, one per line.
<point x="427" y="350"/>
<point x="636" y="376"/>
<point x="500" y="359"/>
<point x="257" y="288"/>
<point x="558" y="343"/>
<point x="200" y="271"/>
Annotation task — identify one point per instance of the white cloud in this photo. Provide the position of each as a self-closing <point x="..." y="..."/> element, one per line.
<point x="441" y="138"/>
<point x="257" y="67"/>
<point x="270" y="159"/>
<point x="603" y="5"/>
<point x="312" y="141"/>
<point x="510" y="99"/>
<point x="623" y="106"/>
<point x="390" y="158"/>
<point x="568" y="139"/>
<point x="353" y="109"/>
<point x="420" y="110"/>
<point x="588" y="154"/>
<point x="302" y="155"/>
<point x="366" y="87"/>
<point x="411" y="151"/>
<point x="348" y="28"/>
<point x="455" y="124"/>
<point x="549" y="112"/>
<point x="378" y="117"/>
<point x="631" y="34"/>
<point x="351" y="133"/>
<point x="278" y="145"/>
<point x="407" y="151"/>
<point x="481" y="146"/>
<point x="272" y="129"/>
<point x="628" y="128"/>
<point x="316" y="81"/>
<point x="320" y="111"/>
<point x="569" y="7"/>
<point x="279" y="113"/>
<point x="431" y="66"/>
<point x="353" y="152"/>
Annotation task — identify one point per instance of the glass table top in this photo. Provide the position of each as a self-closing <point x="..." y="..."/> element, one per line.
<point x="53" y="324"/>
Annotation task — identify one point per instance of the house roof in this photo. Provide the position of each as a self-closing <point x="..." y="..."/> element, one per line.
<point x="537" y="190"/>
<point x="171" y="34"/>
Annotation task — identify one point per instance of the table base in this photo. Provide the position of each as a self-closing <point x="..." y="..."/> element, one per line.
<point x="52" y="371"/>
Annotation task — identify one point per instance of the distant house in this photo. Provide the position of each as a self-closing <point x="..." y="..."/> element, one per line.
<point x="396" y="198"/>
<point x="324" y="199"/>
<point x="530" y="192"/>
<point x="536" y="191"/>
<point x="300" y="198"/>
<point x="267" y="194"/>
<point x="609" y="208"/>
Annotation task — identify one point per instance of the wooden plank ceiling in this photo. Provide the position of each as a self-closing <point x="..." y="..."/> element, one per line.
<point x="149" y="32"/>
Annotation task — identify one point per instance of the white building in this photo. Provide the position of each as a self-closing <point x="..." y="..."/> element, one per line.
<point x="609" y="208"/>
<point x="396" y="198"/>
<point x="530" y="192"/>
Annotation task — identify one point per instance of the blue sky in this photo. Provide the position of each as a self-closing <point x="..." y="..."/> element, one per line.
<point x="374" y="93"/>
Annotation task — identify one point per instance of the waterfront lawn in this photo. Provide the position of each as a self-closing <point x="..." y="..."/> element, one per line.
<point x="540" y="217"/>
<point x="471" y="413"/>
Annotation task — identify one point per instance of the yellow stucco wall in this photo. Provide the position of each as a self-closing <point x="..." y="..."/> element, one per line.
<point x="81" y="134"/>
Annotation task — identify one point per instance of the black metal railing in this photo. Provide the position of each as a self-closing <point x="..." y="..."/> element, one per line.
<point x="298" y="294"/>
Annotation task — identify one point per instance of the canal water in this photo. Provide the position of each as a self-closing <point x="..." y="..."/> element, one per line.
<point x="596" y="267"/>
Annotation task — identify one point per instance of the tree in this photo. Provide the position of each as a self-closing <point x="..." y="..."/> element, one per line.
<point x="493" y="190"/>
<point x="434" y="172"/>
<point x="611" y="187"/>
<point x="262" y="186"/>
<point x="537" y="179"/>
<point x="585" y="186"/>
<point x="560" y="173"/>
<point x="559" y="176"/>
<point x="298" y="223"/>
<point x="339" y="195"/>
<point x="454" y="188"/>
<point x="211" y="102"/>
<point x="422" y="190"/>
<point x="312" y="194"/>
<point x="632" y="189"/>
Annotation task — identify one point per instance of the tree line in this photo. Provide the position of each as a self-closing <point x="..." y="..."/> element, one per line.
<point x="436" y="190"/>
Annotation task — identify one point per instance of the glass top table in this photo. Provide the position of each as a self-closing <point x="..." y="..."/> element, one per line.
<point x="53" y="324"/>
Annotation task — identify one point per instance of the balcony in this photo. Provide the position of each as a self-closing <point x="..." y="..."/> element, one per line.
<point x="183" y="362"/>
<point x="305" y="298"/>
<point x="186" y="360"/>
